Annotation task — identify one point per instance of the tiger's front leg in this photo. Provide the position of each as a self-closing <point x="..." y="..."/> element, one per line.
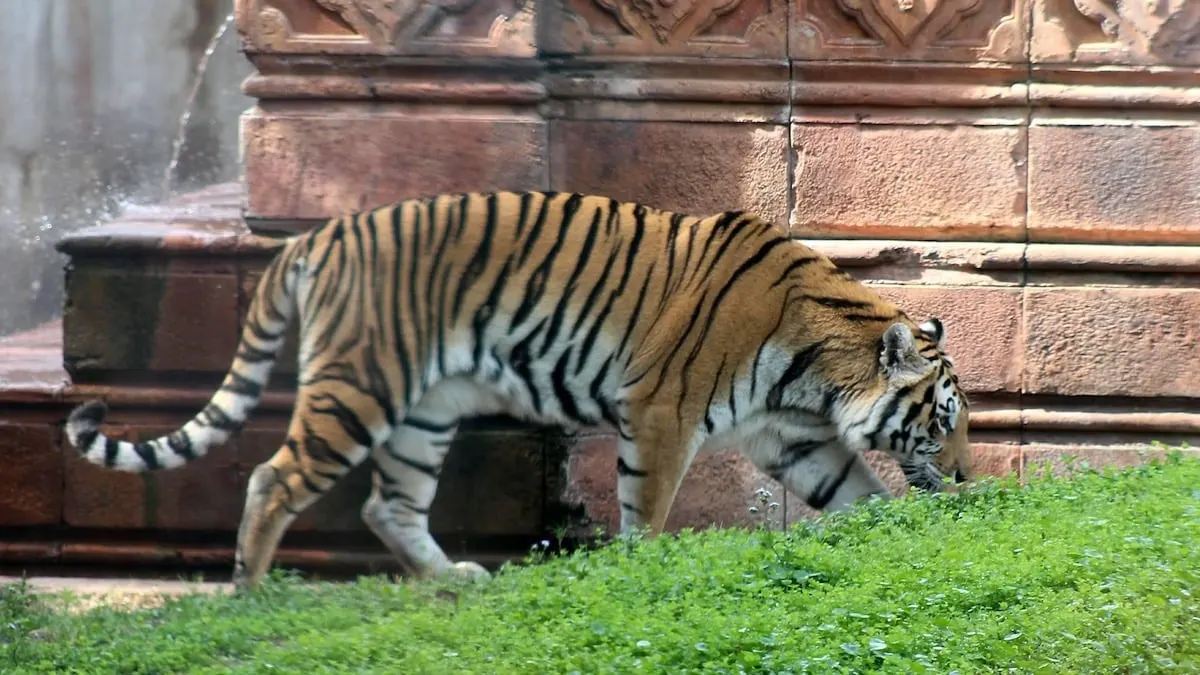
<point x="819" y="469"/>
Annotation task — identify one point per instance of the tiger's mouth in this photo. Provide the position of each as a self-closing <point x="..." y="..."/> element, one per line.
<point x="927" y="477"/>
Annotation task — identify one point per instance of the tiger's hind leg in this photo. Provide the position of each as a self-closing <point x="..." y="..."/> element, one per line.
<point x="408" y="466"/>
<point x="330" y="433"/>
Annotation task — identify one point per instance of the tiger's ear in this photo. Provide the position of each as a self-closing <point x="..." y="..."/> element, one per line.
<point x="902" y="363"/>
<point x="934" y="330"/>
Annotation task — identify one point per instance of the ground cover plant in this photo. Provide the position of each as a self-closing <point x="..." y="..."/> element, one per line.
<point x="1097" y="573"/>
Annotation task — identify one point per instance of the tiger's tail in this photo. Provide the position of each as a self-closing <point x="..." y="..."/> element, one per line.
<point x="270" y="312"/>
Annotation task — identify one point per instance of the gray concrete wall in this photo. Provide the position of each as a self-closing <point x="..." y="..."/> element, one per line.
<point x="91" y="96"/>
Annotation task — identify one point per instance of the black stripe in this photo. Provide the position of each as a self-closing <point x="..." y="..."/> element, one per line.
<point x="85" y="439"/>
<point x="892" y="406"/>
<point x="318" y="448"/>
<point x="637" y="309"/>
<point x="801" y="362"/>
<point x="111" y="448"/>
<point x="217" y="418"/>
<point x="630" y="507"/>
<point x="826" y="490"/>
<point x="346" y="416"/>
<point x="536" y="286"/>
<point x="181" y="444"/>
<point x="679" y="342"/>
<point x="251" y="354"/>
<point x="523" y="214"/>
<point x="535" y="231"/>
<point x="487" y="311"/>
<point x="377" y="382"/>
<point x="726" y="221"/>
<point x="146" y="452"/>
<point x="398" y="322"/>
<point x="519" y="360"/>
<point x="566" y="400"/>
<point x="838" y="303"/>
<point x="479" y="259"/>
<point x="624" y="469"/>
<point x="420" y="354"/>
<point x="598" y="396"/>
<point x="428" y="426"/>
<point x="713" y="310"/>
<point x="792" y="455"/>
<point x="428" y="469"/>
<point x="792" y="267"/>
<point x="564" y="299"/>
<point x="235" y="383"/>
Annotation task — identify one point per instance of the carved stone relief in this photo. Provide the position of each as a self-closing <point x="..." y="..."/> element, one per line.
<point x="1135" y="32"/>
<point x="667" y="21"/>
<point x="711" y="27"/>
<point x="955" y="30"/>
<point x="500" y="27"/>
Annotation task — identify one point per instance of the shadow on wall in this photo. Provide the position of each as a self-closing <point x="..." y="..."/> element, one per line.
<point x="94" y="94"/>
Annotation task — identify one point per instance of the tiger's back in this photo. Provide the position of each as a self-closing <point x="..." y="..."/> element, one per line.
<point x="681" y="333"/>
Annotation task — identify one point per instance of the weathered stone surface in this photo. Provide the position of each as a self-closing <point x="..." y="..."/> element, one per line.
<point x="1096" y="455"/>
<point x="954" y="30"/>
<point x="99" y="497"/>
<point x="1112" y="342"/>
<point x="694" y="168"/>
<point x="996" y="459"/>
<point x="302" y="166"/>
<point x="147" y="316"/>
<point x="465" y="28"/>
<point x="1106" y="32"/>
<point x="983" y="325"/>
<point x="740" y="28"/>
<point x="31" y="483"/>
<point x="909" y="182"/>
<point x="1114" y="182"/>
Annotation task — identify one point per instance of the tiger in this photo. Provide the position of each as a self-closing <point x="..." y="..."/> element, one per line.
<point x="675" y="333"/>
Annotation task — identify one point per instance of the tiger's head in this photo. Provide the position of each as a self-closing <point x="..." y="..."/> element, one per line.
<point x="919" y="417"/>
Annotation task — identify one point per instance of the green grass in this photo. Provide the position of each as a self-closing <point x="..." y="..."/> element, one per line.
<point x="1093" y="574"/>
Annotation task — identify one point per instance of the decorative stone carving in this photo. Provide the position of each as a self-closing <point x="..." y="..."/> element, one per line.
<point x="737" y="28"/>
<point x="667" y="20"/>
<point x="900" y="23"/>
<point x="947" y="30"/>
<point x="1110" y="31"/>
<point x="418" y="27"/>
<point x="384" y="21"/>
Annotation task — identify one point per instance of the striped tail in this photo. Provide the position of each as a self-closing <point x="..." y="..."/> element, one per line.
<point x="262" y="337"/>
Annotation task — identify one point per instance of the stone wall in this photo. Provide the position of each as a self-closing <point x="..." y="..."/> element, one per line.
<point x="1027" y="169"/>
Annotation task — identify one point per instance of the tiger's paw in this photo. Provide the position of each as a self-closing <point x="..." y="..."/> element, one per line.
<point x="469" y="571"/>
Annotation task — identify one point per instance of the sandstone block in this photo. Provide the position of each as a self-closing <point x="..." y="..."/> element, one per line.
<point x="694" y="168"/>
<point x="31" y="484"/>
<point x="1112" y="342"/>
<point x="1114" y="184"/>
<point x="909" y="182"/>
<point x="319" y="166"/>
